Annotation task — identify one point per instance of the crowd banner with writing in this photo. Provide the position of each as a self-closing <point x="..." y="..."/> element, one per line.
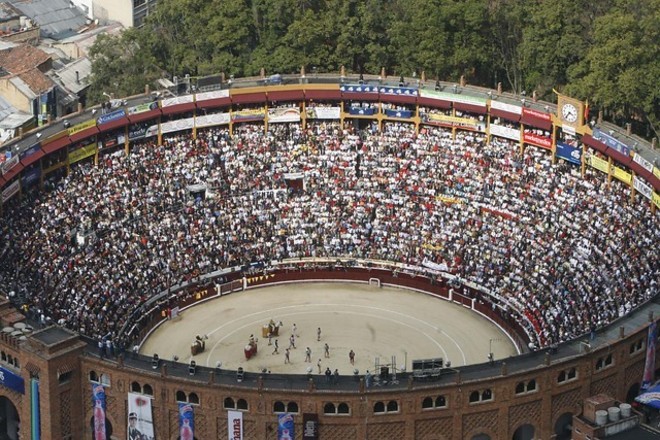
<point x="323" y="112"/>
<point x="389" y="90"/>
<point x="649" y="364"/>
<point x="511" y="108"/>
<point x="141" y="108"/>
<point x="177" y="125"/>
<point x="622" y="175"/>
<point x="539" y="141"/>
<point x="99" y="408"/>
<point x="82" y="153"/>
<point x="112" y="116"/>
<point x="599" y="164"/>
<point x="569" y="153"/>
<point x="310" y="426"/>
<point x="283" y="114"/>
<point x="362" y="111"/>
<point x="212" y="119"/>
<point x="184" y="99"/>
<point x="215" y="94"/>
<point x="186" y="422"/>
<point x="358" y="88"/>
<point x="642" y="188"/>
<point x="505" y="132"/>
<point x="285" y="427"/>
<point x="611" y="141"/>
<point x="140" y="417"/>
<point x="235" y="425"/>
<point x="11" y="380"/>
<point x="10" y="191"/>
<point x="9" y="164"/>
<point x="392" y="113"/>
<point x="648" y="166"/>
<point x="254" y="114"/>
<point x="82" y="126"/>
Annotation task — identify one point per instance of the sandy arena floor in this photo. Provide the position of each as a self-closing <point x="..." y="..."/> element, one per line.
<point x="374" y="322"/>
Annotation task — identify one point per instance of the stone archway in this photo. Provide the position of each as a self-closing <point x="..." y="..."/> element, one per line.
<point x="633" y="392"/>
<point x="481" y="437"/>
<point x="108" y="427"/>
<point x="10" y="423"/>
<point x="564" y="426"/>
<point x="524" y="432"/>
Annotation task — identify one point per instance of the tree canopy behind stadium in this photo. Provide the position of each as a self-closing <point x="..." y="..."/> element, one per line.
<point x="606" y="52"/>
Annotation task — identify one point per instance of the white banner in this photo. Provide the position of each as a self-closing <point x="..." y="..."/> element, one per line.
<point x="505" y="132"/>
<point x="178" y="125"/>
<point x="643" y="188"/>
<point x="207" y="96"/>
<point x="9" y="164"/>
<point x="176" y="100"/>
<point x="151" y="131"/>
<point x="210" y="120"/>
<point x="10" y="191"/>
<point x="506" y="107"/>
<point x="284" y="114"/>
<point x="323" y="112"/>
<point x="235" y="425"/>
<point x="140" y="417"/>
<point x="648" y="166"/>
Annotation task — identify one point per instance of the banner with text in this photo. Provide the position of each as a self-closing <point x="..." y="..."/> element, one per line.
<point x="569" y="153"/>
<point x="393" y="113"/>
<point x="539" y="141"/>
<point x="362" y="111"/>
<point x="9" y="164"/>
<point x="140" y="417"/>
<point x="284" y="114"/>
<point x="506" y="107"/>
<point x="168" y="102"/>
<point x="323" y="112"/>
<point x="505" y="132"/>
<point x="82" y="153"/>
<point x="611" y="141"/>
<point x="235" y="425"/>
<point x="622" y="175"/>
<point x="255" y="114"/>
<point x="390" y="90"/>
<point x="285" y="427"/>
<point x="358" y="88"/>
<point x="454" y="97"/>
<point x="599" y="164"/>
<point x="10" y="191"/>
<point x="310" y="426"/>
<point x="112" y="116"/>
<point x="455" y="121"/>
<point x="211" y="120"/>
<point x="642" y="188"/>
<point x="178" y="125"/>
<point x="207" y="96"/>
<point x="656" y="199"/>
<point x="142" y="108"/>
<point x="82" y="126"/>
<point x="648" y="166"/>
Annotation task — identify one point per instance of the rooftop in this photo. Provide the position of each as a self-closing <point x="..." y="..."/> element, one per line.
<point x="8" y="12"/>
<point x="57" y="18"/>
<point x="638" y="433"/>
<point x="53" y="335"/>
<point x="67" y="76"/>
<point x="22" y="58"/>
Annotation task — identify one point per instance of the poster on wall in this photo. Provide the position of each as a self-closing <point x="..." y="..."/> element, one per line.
<point x="140" y="418"/>
<point x="98" y="404"/>
<point x="235" y="425"/>
<point x="310" y="426"/>
<point x="186" y="422"/>
<point x="285" y="428"/>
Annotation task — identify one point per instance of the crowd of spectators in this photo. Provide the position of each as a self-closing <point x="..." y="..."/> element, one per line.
<point x="562" y="253"/>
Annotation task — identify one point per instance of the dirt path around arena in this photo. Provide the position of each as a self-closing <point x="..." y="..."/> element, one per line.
<point x="373" y="322"/>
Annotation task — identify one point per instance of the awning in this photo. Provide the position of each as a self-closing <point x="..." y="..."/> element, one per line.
<point x="213" y="103"/>
<point x="534" y="121"/>
<point x="13" y="172"/>
<point x="248" y="98"/>
<point x="32" y="158"/>
<point x="56" y="144"/>
<point x="360" y="96"/>
<point x="144" y="116"/>
<point x="286" y="95"/>
<point x="594" y="143"/>
<point x="433" y="103"/>
<point x="91" y="131"/>
<point x="178" y="108"/>
<point x="472" y="108"/>
<point x="114" y="124"/>
<point x="323" y="95"/>
<point x="399" y="99"/>
<point x="619" y="157"/>
<point x="504" y="115"/>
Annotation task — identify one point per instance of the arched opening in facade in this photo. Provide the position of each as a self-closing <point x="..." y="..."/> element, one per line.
<point x="524" y="432"/>
<point x="564" y="426"/>
<point x="10" y="424"/>
<point x="481" y="437"/>
<point x="108" y="427"/>
<point x="633" y="392"/>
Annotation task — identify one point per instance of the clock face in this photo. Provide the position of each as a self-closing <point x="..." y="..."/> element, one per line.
<point x="569" y="112"/>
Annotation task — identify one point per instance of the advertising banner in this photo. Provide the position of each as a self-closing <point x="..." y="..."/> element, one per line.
<point x="112" y="116"/>
<point x="142" y="108"/>
<point x="648" y="166"/>
<point x="168" y="102"/>
<point x="99" y="408"/>
<point x="7" y="193"/>
<point x="9" y="164"/>
<point x="30" y="151"/>
<point x="656" y="172"/>
<point x="211" y="120"/>
<point x="656" y="199"/>
<point x="8" y="379"/>
<point x="362" y="111"/>
<point x="137" y="131"/>
<point x="187" y="422"/>
<point x="536" y="114"/>
<point x="254" y="114"/>
<point x="35" y="422"/>
<point x="622" y="175"/>
<point x="178" y="125"/>
<point x="649" y="365"/>
<point x="358" y="88"/>
<point x="569" y="153"/>
<point x="30" y="177"/>
<point x="323" y="112"/>
<point x="599" y="164"/>
<point x="389" y="90"/>
<point x="611" y="141"/>
<point x="82" y="126"/>
<point x="207" y="96"/>
<point x="445" y="96"/>
<point x="235" y="425"/>
<point x="310" y="426"/>
<point x="151" y="131"/>
<point x="140" y="417"/>
<point x="505" y="132"/>
<point x="642" y="188"/>
<point x="405" y="114"/>
<point x="285" y="427"/>
<point x="539" y="141"/>
<point x="284" y="114"/>
<point x="82" y="153"/>
<point x="506" y="107"/>
<point x="454" y="121"/>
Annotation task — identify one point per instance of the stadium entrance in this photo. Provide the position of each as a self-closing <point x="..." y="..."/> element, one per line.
<point x="9" y="421"/>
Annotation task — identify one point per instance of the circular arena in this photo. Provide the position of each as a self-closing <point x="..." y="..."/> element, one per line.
<point x="491" y="265"/>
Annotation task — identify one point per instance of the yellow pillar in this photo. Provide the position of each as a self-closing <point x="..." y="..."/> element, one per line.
<point x="126" y="141"/>
<point x="554" y="145"/>
<point x="609" y="171"/>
